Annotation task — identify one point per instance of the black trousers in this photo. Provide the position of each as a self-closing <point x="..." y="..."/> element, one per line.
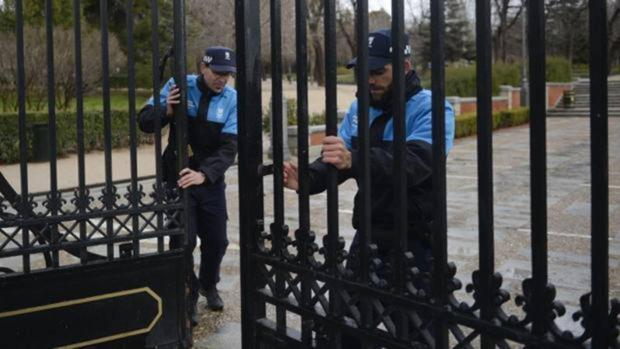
<point x="207" y="216"/>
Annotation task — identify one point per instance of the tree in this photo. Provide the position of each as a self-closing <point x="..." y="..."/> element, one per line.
<point x="422" y="40"/>
<point x="315" y="25"/>
<point x="117" y="24"/>
<point x="64" y="66"/>
<point x="459" y="44"/>
<point x="378" y="20"/>
<point x="345" y="17"/>
<point x="566" y="21"/>
<point x="33" y="12"/>
<point x="613" y="31"/>
<point x="507" y="13"/>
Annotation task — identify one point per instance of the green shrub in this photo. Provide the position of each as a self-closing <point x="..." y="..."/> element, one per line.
<point x="466" y="124"/>
<point x="346" y="78"/>
<point x="558" y="69"/>
<point x="460" y="81"/>
<point x="66" y="131"/>
<point x="505" y="74"/>
<point x="291" y="113"/>
<point x="342" y="70"/>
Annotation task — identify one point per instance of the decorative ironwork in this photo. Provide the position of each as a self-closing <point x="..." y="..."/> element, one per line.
<point x="60" y="232"/>
<point x="388" y="302"/>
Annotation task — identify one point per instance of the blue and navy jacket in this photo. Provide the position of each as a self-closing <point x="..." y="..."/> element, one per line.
<point x="212" y="129"/>
<point x="418" y="165"/>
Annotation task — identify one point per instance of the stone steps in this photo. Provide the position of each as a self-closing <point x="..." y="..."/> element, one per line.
<point x="581" y="107"/>
<point x="579" y="112"/>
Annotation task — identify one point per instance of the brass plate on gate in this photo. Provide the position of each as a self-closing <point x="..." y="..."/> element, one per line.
<point x="93" y="299"/>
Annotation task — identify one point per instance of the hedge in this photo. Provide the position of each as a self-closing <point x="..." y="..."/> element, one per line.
<point x="466" y="124"/>
<point x="93" y="129"/>
<point x="66" y="132"/>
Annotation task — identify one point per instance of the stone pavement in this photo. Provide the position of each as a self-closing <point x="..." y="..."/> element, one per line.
<point x="568" y="211"/>
<point x="568" y="200"/>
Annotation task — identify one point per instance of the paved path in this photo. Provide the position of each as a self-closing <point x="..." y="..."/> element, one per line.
<point x="568" y="210"/>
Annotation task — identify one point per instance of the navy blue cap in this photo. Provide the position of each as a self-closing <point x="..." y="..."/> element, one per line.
<point x="380" y="49"/>
<point x="220" y="59"/>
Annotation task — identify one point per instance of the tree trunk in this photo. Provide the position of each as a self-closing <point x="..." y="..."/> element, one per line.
<point x="350" y="40"/>
<point x="319" y="69"/>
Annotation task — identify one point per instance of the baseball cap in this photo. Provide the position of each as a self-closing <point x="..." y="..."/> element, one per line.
<point x="220" y="59"/>
<point x="380" y="49"/>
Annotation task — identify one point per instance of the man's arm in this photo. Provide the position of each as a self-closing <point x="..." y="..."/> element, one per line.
<point x="317" y="176"/>
<point x="418" y="160"/>
<point x="215" y="165"/>
<point x="418" y="148"/>
<point x="168" y="97"/>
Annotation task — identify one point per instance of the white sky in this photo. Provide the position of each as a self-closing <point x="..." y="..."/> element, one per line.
<point x="374" y="5"/>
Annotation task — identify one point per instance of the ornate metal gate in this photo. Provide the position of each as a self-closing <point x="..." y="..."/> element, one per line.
<point x="295" y="294"/>
<point x="90" y="265"/>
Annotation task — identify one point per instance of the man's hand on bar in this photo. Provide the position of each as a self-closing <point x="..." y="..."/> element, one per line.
<point x="335" y="152"/>
<point x="189" y="177"/>
<point x="291" y="177"/>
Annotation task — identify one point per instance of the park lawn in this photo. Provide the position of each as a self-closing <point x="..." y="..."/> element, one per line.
<point x="119" y="100"/>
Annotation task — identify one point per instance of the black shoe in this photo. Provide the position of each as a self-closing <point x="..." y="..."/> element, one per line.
<point x="214" y="301"/>
<point x="193" y="316"/>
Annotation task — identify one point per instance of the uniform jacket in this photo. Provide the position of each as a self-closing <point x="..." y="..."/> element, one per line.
<point x="212" y="129"/>
<point x="418" y="161"/>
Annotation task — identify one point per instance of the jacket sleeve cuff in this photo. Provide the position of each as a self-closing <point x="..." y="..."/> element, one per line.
<point x="354" y="163"/>
<point x="208" y="176"/>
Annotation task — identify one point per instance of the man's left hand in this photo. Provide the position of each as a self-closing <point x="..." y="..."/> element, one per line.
<point x="189" y="177"/>
<point x="336" y="153"/>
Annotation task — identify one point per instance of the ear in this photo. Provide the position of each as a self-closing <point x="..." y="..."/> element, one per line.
<point x="407" y="65"/>
<point x="203" y="67"/>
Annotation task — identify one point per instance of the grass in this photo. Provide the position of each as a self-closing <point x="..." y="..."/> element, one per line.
<point x="119" y="100"/>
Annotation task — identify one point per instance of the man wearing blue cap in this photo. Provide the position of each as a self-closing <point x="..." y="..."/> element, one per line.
<point x="343" y="153"/>
<point x="212" y="146"/>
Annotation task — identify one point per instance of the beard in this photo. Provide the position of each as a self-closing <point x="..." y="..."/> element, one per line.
<point x="382" y="95"/>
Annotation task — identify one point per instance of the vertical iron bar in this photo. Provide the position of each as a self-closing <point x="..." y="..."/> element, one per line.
<point x="301" y="12"/>
<point x="248" y="106"/>
<point x="79" y="110"/>
<point x="51" y="109"/>
<point x="601" y="331"/>
<point x="399" y="154"/>
<point x="485" y="162"/>
<point x="159" y="190"/>
<point x="302" y="112"/>
<point x="109" y="197"/>
<point x="180" y="119"/>
<point x="538" y="160"/>
<point x="277" y="229"/>
<point x="23" y="146"/>
<point x="440" y="241"/>
<point x="331" y="129"/>
<point x="524" y="93"/>
<point x="363" y="131"/>
<point x="134" y="198"/>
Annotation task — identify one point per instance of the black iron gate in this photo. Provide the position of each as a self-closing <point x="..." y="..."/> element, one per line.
<point x="90" y="265"/>
<point x="291" y="299"/>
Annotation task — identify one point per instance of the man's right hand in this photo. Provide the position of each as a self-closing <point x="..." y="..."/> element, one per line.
<point x="174" y="97"/>
<point x="291" y="177"/>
